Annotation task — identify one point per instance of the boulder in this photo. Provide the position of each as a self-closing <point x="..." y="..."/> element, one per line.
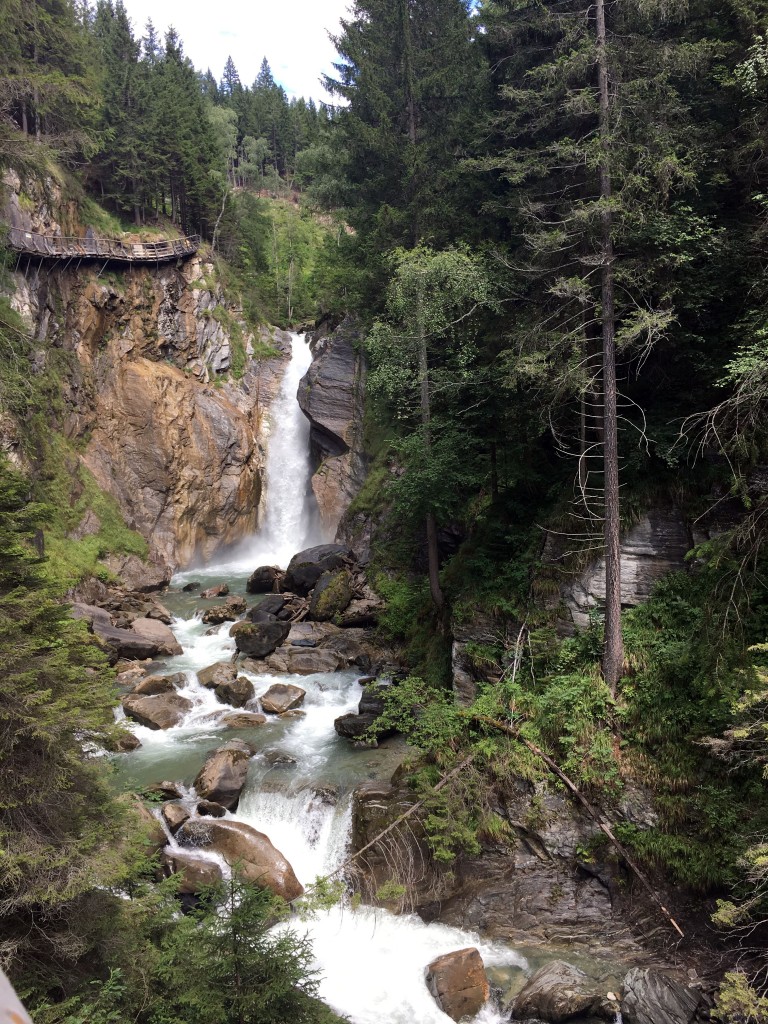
<point x="352" y="647"/>
<point x="305" y="661"/>
<point x="362" y="611"/>
<point x="158" y="633"/>
<point x="458" y="983"/>
<point x="219" y="590"/>
<point x="557" y="992"/>
<point x="230" y="611"/>
<point x="243" y="720"/>
<point x="293" y="714"/>
<point x="163" y="711"/>
<point x="223" y="775"/>
<point x="279" y="758"/>
<point x="264" y="579"/>
<point x="254" y="855"/>
<point x="306" y="568"/>
<point x="126" y="742"/>
<point x="190" y="588"/>
<point x="356" y="726"/>
<point x="331" y="595"/>
<point x="137" y="574"/>
<point x="282" y="697"/>
<point x="196" y="872"/>
<point x="165" y="789"/>
<point x="237" y="692"/>
<point x="210" y="809"/>
<point x="124" y="643"/>
<point x="174" y="815"/>
<point x="272" y="604"/>
<point x="219" y="674"/>
<point x="91" y="614"/>
<point x="258" y="639"/>
<point x="151" y="685"/>
<point x="650" y="997"/>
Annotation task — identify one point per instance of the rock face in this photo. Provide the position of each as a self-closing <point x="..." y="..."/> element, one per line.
<point x="650" y="997"/>
<point x="331" y="395"/>
<point x="654" y="547"/>
<point x="306" y="567"/>
<point x="223" y="775"/>
<point x="282" y="697"/>
<point x="183" y="459"/>
<point x="256" y="858"/>
<point x="458" y="983"/>
<point x="258" y="639"/>
<point x="557" y="992"/>
<point x="163" y="711"/>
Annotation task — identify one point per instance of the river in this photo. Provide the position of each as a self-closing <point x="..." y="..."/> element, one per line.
<point x="371" y="961"/>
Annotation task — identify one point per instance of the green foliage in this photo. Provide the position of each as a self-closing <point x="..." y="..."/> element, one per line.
<point x="738" y="1003"/>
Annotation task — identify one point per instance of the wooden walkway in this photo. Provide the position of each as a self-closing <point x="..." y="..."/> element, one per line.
<point x="61" y="247"/>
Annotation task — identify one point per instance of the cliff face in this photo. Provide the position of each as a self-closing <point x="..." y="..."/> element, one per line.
<point x="147" y="398"/>
<point x="331" y="395"/>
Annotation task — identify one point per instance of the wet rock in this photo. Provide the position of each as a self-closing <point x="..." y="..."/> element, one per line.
<point x="231" y="610"/>
<point x="258" y="639"/>
<point x="306" y="568"/>
<point x="126" y="742"/>
<point x="158" y="633"/>
<point x="160" y="612"/>
<point x="218" y="674"/>
<point x="305" y="642"/>
<point x="282" y="697"/>
<point x="129" y="673"/>
<point x="293" y="714"/>
<point x="327" y="795"/>
<point x="243" y="720"/>
<point x="210" y="809"/>
<point x="163" y="711"/>
<point x="279" y="758"/>
<point x="174" y="815"/>
<point x="223" y="775"/>
<point x="219" y="590"/>
<point x="264" y="580"/>
<point x="356" y="726"/>
<point x="257" y="860"/>
<point x="330" y="596"/>
<point x="458" y="983"/>
<point x="191" y="587"/>
<point x="557" y="992"/>
<point x="307" y="661"/>
<point x="650" y="997"/>
<point x="151" y="685"/>
<point x="196" y="872"/>
<point x="236" y="693"/>
<point x="167" y="790"/>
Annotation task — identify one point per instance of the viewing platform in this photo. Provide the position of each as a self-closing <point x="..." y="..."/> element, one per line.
<point x="90" y="247"/>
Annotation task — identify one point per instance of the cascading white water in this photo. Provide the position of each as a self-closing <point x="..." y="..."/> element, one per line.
<point x="371" y="962"/>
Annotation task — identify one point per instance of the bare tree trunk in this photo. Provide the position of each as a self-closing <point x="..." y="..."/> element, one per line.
<point x="613" y="654"/>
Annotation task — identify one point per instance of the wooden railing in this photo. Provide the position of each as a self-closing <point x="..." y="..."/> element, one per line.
<point x="61" y="247"/>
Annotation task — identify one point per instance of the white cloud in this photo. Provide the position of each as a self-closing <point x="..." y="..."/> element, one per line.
<point x="291" y="34"/>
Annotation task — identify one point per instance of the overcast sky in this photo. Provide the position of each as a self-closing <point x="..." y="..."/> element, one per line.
<point x="291" y="34"/>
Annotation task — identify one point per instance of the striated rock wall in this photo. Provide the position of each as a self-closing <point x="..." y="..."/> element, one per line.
<point x="143" y="354"/>
<point x="331" y="395"/>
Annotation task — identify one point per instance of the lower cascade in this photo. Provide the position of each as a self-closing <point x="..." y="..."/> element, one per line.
<point x="300" y="774"/>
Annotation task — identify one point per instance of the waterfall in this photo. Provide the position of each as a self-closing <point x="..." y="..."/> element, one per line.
<point x="371" y="962"/>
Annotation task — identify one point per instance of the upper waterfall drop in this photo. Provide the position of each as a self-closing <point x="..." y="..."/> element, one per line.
<point x="291" y="522"/>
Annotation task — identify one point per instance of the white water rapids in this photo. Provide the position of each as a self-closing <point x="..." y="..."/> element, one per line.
<point x="372" y="962"/>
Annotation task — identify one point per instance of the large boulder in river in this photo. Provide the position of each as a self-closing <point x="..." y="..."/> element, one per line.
<point x="218" y="674"/>
<point x="158" y="633"/>
<point x="258" y="639"/>
<point x="151" y="685"/>
<point x="458" y="983"/>
<point x="256" y="858"/>
<point x="331" y="595"/>
<point x="236" y="693"/>
<point x="223" y="775"/>
<point x="282" y="697"/>
<point x="267" y="609"/>
<point x="306" y="568"/>
<point x="196" y="872"/>
<point x="231" y="610"/>
<point x="243" y="720"/>
<point x="357" y="726"/>
<point x="264" y="579"/>
<point x="558" y="992"/>
<point x="163" y="711"/>
<point x="650" y="997"/>
<point x="306" y="661"/>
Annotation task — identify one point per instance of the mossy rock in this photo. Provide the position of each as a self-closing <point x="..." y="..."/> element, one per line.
<point x="332" y="594"/>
